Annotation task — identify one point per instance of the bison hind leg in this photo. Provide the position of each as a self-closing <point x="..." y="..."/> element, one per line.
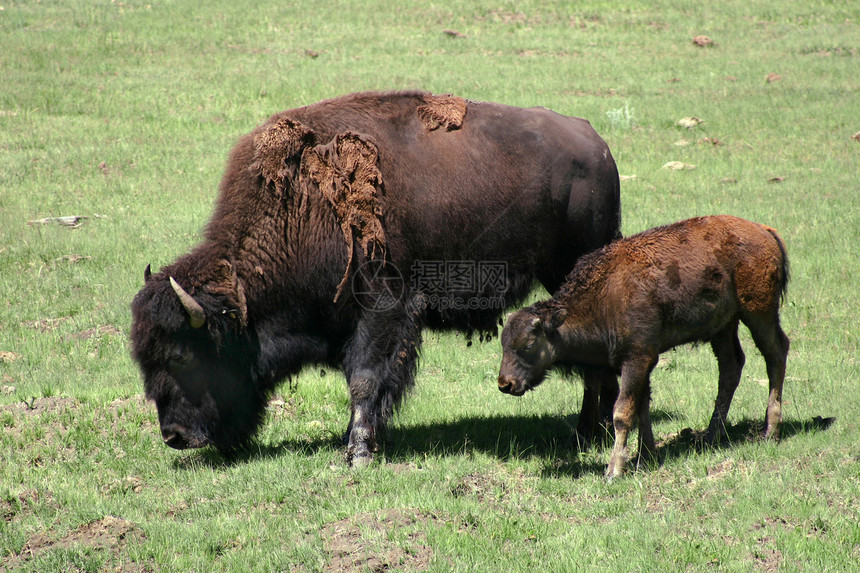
<point x="647" y="446"/>
<point x="730" y="359"/>
<point x="773" y="344"/>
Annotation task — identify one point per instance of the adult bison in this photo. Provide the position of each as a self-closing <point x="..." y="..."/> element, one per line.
<point x="345" y="227"/>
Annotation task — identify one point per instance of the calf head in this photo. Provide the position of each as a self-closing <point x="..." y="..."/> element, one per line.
<point x="196" y="357"/>
<point x="528" y="349"/>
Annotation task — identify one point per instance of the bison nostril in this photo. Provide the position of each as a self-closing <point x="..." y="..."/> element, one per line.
<point x="505" y="385"/>
<point x="174" y="436"/>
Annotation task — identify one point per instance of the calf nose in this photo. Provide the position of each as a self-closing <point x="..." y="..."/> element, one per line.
<point x="174" y="436"/>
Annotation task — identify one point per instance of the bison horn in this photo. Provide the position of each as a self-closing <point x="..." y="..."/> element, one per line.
<point x="195" y="312"/>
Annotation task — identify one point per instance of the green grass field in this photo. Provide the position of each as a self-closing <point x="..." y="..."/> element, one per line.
<point x="122" y="113"/>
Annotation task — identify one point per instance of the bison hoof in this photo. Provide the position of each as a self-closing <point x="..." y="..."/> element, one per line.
<point x="359" y="459"/>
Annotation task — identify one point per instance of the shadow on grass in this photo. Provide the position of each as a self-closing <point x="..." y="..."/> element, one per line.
<point x="551" y="438"/>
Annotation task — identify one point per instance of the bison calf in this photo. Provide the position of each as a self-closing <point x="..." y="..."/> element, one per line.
<point x="633" y="299"/>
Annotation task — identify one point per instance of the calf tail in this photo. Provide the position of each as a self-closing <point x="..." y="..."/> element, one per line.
<point x="785" y="270"/>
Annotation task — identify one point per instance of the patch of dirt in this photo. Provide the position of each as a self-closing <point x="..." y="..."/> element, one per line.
<point x="767" y="557"/>
<point x="110" y="534"/>
<point x="280" y="409"/>
<point x="379" y="541"/>
<point x="129" y="484"/>
<point x="486" y="488"/>
<point x="73" y="258"/>
<point x="47" y="413"/>
<point x="105" y="329"/>
<point x="45" y="324"/>
<point x="7" y="356"/>
<point x="23" y="503"/>
<point x="39" y="406"/>
<point x="502" y="16"/>
<point x="721" y="469"/>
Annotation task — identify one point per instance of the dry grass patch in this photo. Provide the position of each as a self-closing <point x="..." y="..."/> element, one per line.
<point x="379" y="541"/>
<point x="109" y="534"/>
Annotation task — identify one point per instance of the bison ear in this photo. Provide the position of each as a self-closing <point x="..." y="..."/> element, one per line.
<point x="278" y="145"/>
<point x="556" y="319"/>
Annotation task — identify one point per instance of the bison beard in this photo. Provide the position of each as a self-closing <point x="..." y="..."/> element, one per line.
<point x="315" y="193"/>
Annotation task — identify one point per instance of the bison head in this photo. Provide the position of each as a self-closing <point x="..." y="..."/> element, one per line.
<point x="528" y="350"/>
<point x="196" y="357"/>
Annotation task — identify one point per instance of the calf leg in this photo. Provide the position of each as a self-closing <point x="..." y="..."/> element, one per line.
<point x="647" y="445"/>
<point x="634" y="381"/>
<point x="730" y="358"/>
<point x="598" y="399"/>
<point x="379" y="364"/>
<point x="773" y="344"/>
<point x="608" y="396"/>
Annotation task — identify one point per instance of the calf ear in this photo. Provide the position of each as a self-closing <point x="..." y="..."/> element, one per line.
<point x="556" y="319"/>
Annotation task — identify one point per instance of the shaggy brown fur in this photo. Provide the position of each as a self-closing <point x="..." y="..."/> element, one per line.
<point x="276" y="145"/>
<point x="442" y="111"/>
<point x="628" y="302"/>
<point x="345" y="172"/>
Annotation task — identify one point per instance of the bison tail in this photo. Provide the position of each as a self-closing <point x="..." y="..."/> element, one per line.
<point x="785" y="270"/>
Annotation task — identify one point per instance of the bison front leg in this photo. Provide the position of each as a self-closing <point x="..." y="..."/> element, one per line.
<point x="634" y="384"/>
<point x="360" y="437"/>
<point x="773" y="344"/>
<point x="380" y="365"/>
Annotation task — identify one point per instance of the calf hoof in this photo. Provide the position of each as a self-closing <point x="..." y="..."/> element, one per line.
<point x="772" y="434"/>
<point x="617" y="466"/>
<point x="612" y="474"/>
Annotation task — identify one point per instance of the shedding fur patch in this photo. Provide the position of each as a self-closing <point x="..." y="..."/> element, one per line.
<point x="278" y="143"/>
<point x="346" y="174"/>
<point x="446" y="111"/>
